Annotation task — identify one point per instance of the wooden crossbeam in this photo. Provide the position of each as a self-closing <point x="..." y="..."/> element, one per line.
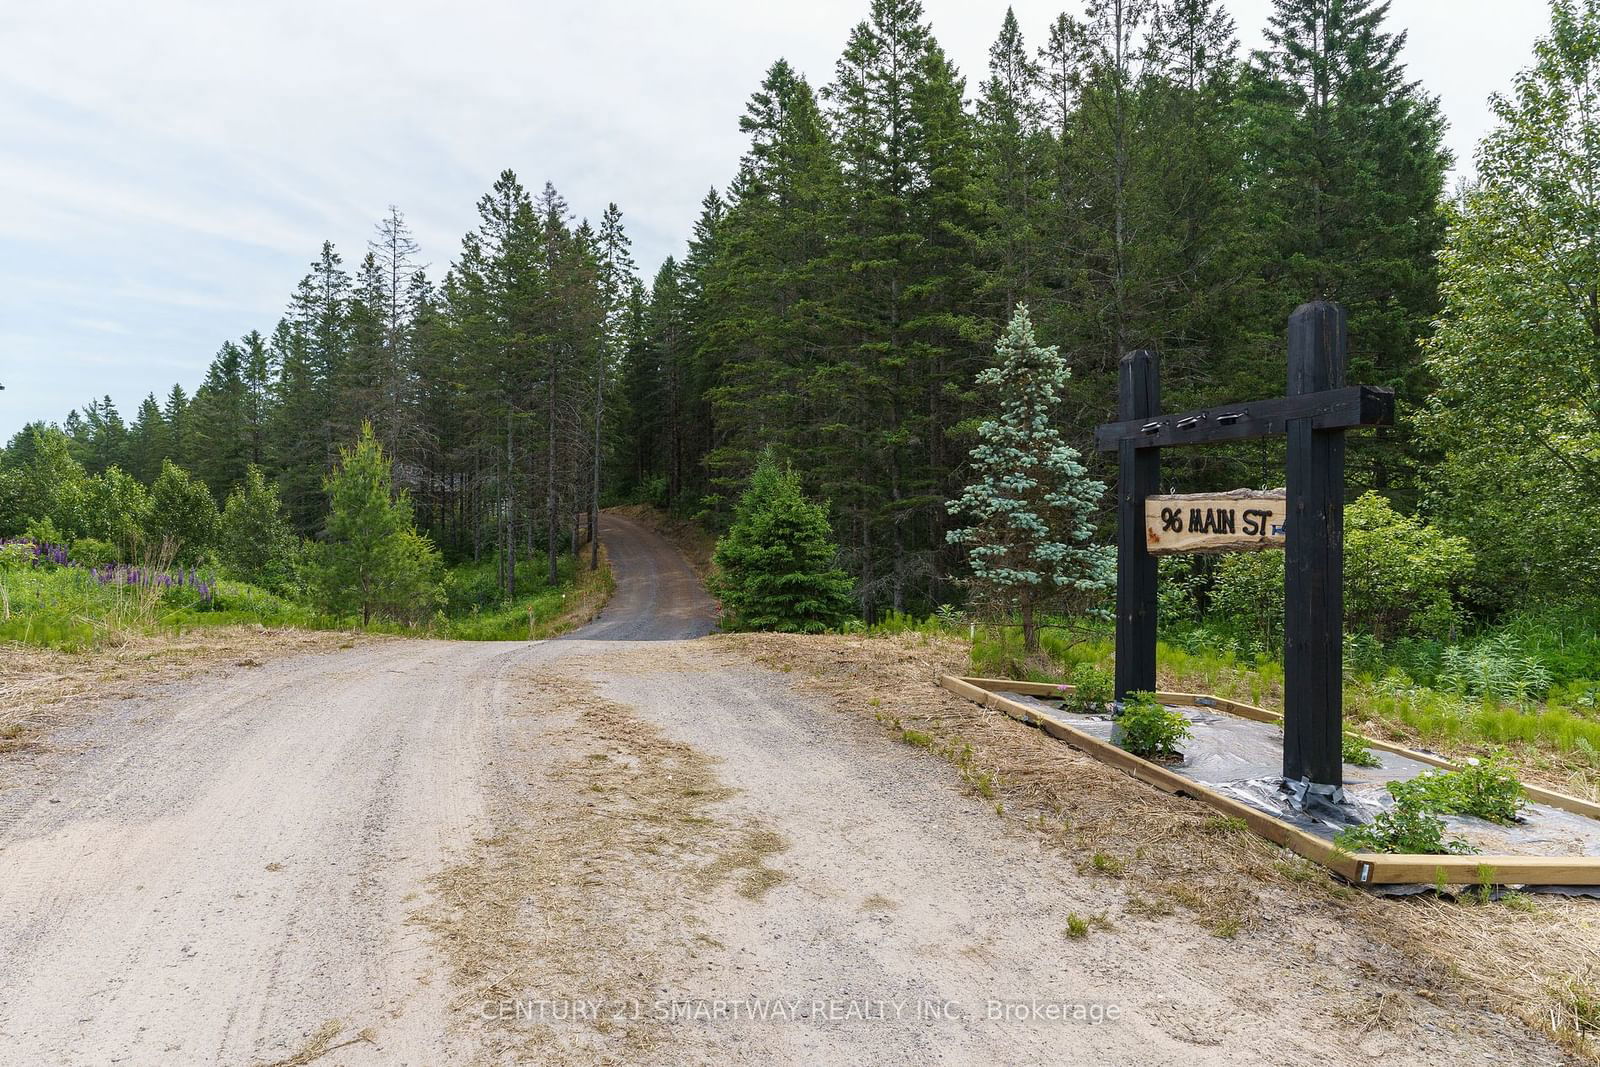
<point x="1328" y="409"/>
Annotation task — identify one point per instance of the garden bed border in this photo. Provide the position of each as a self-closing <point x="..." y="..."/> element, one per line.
<point x="1360" y="868"/>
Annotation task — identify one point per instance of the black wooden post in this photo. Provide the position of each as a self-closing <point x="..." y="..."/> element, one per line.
<point x="1138" y="475"/>
<point x="1313" y="632"/>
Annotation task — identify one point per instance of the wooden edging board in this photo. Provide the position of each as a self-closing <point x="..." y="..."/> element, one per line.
<point x="1362" y="868"/>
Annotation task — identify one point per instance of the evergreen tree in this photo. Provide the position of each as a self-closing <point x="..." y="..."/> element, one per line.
<point x="776" y="564"/>
<point x="618" y="277"/>
<point x="148" y="441"/>
<point x="1348" y="171"/>
<point x="395" y="251"/>
<point x="904" y="252"/>
<point x="373" y="562"/>
<point x="257" y="375"/>
<point x="295" y="429"/>
<point x="1015" y="168"/>
<point x="220" y="421"/>
<point x="175" y="415"/>
<point x="770" y="283"/>
<point x="99" y="436"/>
<point x="1031" y="501"/>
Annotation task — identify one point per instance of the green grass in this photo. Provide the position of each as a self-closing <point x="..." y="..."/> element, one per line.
<point x="65" y="608"/>
<point x="475" y="612"/>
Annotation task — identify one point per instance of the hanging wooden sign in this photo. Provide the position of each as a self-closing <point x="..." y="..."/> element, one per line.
<point x="1243" y="520"/>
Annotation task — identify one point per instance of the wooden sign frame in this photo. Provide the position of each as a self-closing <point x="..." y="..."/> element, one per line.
<point x="1314" y="416"/>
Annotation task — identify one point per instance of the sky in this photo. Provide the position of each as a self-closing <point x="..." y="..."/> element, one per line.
<point x="169" y="169"/>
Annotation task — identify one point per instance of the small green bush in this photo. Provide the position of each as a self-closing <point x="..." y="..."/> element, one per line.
<point x="1092" y="691"/>
<point x="89" y="552"/>
<point x="182" y="516"/>
<point x="1150" y="729"/>
<point x="776" y="565"/>
<point x="255" y="539"/>
<point x="1486" y="788"/>
<point x="1356" y="753"/>
<point x="16" y="556"/>
<point x="1406" y="829"/>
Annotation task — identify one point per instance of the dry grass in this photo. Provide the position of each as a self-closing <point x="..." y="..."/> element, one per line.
<point x="42" y="688"/>
<point x="590" y="591"/>
<point x="592" y="885"/>
<point x="746" y="860"/>
<point x="324" y="1041"/>
<point x="1537" y="959"/>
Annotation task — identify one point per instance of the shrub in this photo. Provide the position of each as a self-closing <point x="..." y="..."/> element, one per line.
<point x="1400" y="578"/>
<point x="256" y="542"/>
<point x="1400" y="573"/>
<point x="776" y="562"/>
<point x="1486" y="788"/>
<point x="182" y="514"/>
<point x="1406" y="829"/>
<point x="1092" y="690"/>
<point x="1249" y="593"/>
<point x="1355" y="752"/>
<point x="43" y="532"/>
<point x="1150" y="729"/>
<point x="16" y="555"/>
<point x="89" y="552"/>
<point x="117" y="505"/>
<point x="46" y="485"/>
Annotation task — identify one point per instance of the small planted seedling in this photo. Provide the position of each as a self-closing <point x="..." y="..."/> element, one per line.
<point x="1091" y="691"/>
<point x="1406" y="829"/>
<point x="1150" y="729"/>
<point x="1486" y="788"/>
<point x="1356" y="752"/>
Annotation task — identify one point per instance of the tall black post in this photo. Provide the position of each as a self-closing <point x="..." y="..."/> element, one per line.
<point x="1138" y="475"/>
<point x="1313" y="631"/>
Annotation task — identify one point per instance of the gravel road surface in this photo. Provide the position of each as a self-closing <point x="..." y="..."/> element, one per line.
<point x="319" y="858"/>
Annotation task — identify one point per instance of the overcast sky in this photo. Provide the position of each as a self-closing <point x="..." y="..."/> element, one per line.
<point x="169" y="169"/>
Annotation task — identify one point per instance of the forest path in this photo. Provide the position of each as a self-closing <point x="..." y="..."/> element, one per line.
<point x="658" y="597"/>
<point x="390" y="852"/>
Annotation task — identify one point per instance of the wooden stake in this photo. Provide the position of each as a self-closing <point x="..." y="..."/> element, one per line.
<point x="1138" y="476"/>
<point x="1313" y="593"/>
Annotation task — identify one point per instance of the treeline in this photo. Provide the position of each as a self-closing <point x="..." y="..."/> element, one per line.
<point x="1128" y="174"/>
<point x="486" y="389"/>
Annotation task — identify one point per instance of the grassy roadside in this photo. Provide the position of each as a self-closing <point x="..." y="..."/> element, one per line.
<point x="1534" y="958"/>
<point x="579" y="595"/>
<point x="67" y="609"/>
<point x="42" y="688"/>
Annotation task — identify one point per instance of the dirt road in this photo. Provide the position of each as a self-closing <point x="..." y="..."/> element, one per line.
<point x="592" y="851"/>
